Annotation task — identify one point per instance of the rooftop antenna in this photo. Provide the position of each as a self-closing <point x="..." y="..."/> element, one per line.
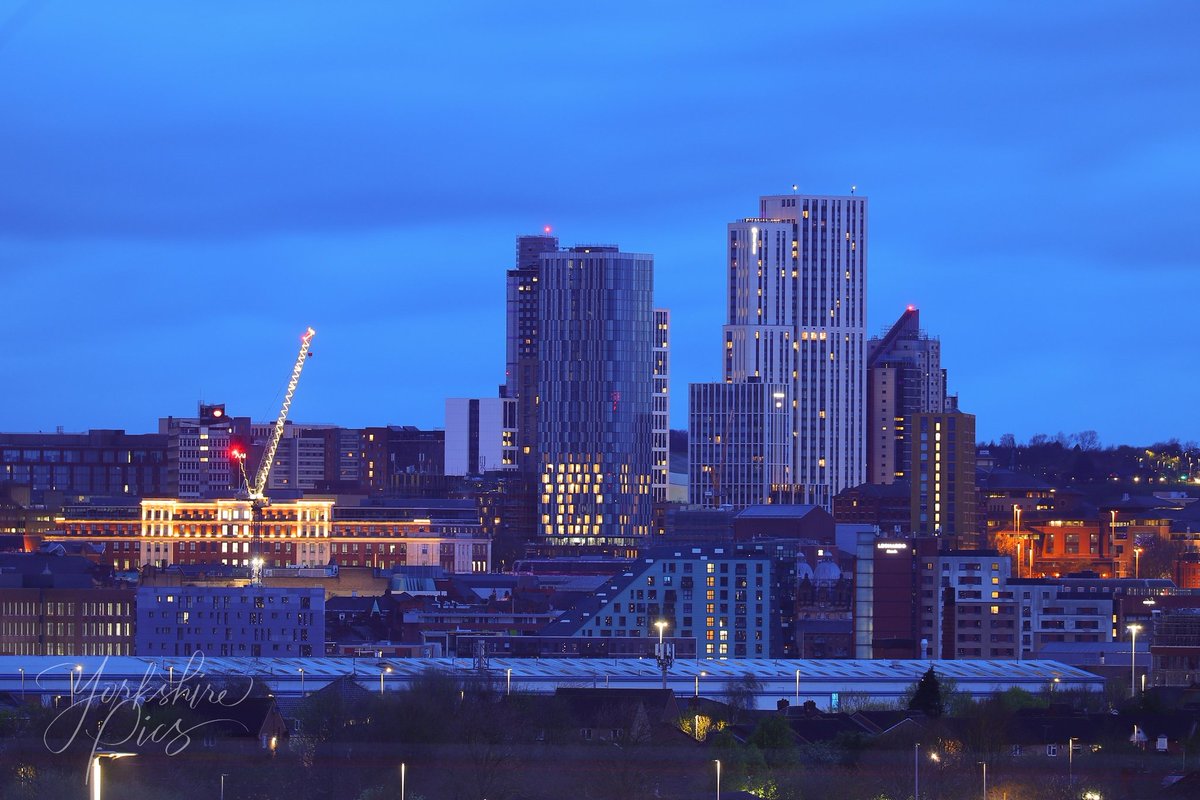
<point x="852" y="188"/>
<point x="795" y="187"/>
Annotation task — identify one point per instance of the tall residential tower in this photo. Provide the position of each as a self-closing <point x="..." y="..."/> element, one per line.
<point x="796" y="327"/>
<point x="522" y="334"/>
<point x="595" y="409"/>
<point x="904" y="377"/>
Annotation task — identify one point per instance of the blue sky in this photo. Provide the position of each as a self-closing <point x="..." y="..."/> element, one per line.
<point x="185" y="186"/>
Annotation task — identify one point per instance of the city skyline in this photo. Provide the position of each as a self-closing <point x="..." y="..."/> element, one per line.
<point x="186" y="194"/>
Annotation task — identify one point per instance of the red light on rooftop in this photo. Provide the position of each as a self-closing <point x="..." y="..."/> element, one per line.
<point x="911" y="307"/>
<point x="546" y="229"/>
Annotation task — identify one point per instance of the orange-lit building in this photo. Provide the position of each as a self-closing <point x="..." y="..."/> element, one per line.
<point x="1053" y="548"/>
<point x="292" y="533"/>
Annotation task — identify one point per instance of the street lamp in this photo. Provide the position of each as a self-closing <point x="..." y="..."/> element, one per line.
<point x="224" y="775"/>
<point x="718" y="763"/>
<point x="984" y="763"/>
<point x="302" y="681"/>
<point x="171" y="677"/>
<point x="1137" y="562"/>
<point x="508" y="687"/>
<point x="403" y="768"/>
<point x="698" y="674"/>
<point x="96" y="769"/>
<point x="665" y="653"/>
<point x="381" y="674"/>
<point x="1071" y="760"/>
<point x="22" y="670"/>
<point x="71" y="678"/>
<point x="916" y="771"/>
<point x="1133" y="631"/>
<point x="797" y="688"/>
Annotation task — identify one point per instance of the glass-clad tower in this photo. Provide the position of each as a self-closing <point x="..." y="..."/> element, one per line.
<point x="595" y="396"/>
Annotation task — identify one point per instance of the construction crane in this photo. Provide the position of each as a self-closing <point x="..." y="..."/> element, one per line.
<point x="256" y="492"/>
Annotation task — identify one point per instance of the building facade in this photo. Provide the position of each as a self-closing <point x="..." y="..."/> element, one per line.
<point x="300" y="460"/>
<point x="739" y="442"/>
<point x="66" y="622"/>
<point x="942" y="485"/>
<point x="198" y="460"/>
<point x="662" y="404"/>
<point x="51" y="606"/>
<point x="796" y="316"/>
<point x="904" y="377"/>
<point x="100" y="463"/>
<point x="595" y="397"/>
<point x="292" y="533"/>
<point x="522" y="340"/>
<point x="251" y="621"/>
<point x="481" y="435"/>
<point x="718" y="596"/>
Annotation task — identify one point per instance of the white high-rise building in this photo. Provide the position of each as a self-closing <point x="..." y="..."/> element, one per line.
<point x="480" y="435"/>
<point x="796" y="315"/>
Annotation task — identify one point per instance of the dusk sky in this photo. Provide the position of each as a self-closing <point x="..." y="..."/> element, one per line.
<point x="185" y="186"/>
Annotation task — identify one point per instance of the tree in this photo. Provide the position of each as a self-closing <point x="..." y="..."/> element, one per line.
<point x="1008" y="441"/>
<point x="742" y="693"/>
<point x="927" y="697"/>
<point x="1088" y="440"/>
<point x="774" y="738"/>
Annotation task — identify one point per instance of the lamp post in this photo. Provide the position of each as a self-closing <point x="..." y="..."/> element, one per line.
<point x="696" y="726"/>
<point x="170" y="677"/>
<point x="22" y="670"/>
<point x="383" y="672"/>
<point x="71" y="677"/>
<point x="1133" y="631"/>
<point x="1071" y="760"/>
<point x="96" y="769"/>
<point x="1137" y="562"/>
<point x="508" y="681"/>
<point x="664" y="652"/>
<point x="223" y="776"/>
<point x="403" y="768"/>
<point x="797" y="688"/>
<point x="302" y="681"/>
<point x="984" y="763"/>
<point x="917" y="771"/>
<point x="698" y="674"/>
<point x="1017" y="532"/>
<point x="718" y="763"/>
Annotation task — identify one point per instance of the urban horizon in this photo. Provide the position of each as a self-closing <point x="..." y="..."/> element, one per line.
<point x="716" y="400"/>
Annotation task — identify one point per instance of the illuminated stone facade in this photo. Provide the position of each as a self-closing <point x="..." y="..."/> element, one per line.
<point x="293" y="533"/>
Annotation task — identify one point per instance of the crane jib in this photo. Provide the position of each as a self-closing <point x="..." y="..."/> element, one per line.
<point x="259" y="488"/>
